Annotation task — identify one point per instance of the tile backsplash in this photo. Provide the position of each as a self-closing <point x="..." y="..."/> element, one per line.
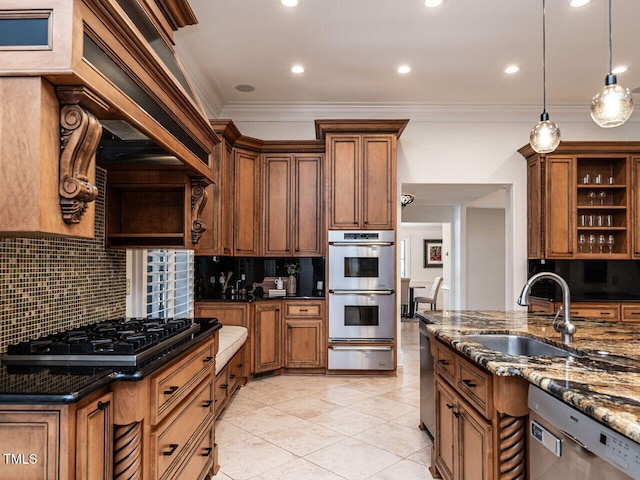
<point x="51" y="284"/>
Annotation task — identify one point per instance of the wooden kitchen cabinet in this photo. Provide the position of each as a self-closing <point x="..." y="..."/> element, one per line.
<point x="94" y="439"/>
<point x="267" y="336"/>
<point x="464" y="440"/>
<point x="246" y="203"/>
<point x="579" y="197"/>
<point x="361" y="185"/>
<point x="304" y="345"/>
<point x="481" y="420"/>
<point x="292" y="205"/>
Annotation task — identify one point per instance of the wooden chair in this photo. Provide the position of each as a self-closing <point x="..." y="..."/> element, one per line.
<point x="404" y="297"/>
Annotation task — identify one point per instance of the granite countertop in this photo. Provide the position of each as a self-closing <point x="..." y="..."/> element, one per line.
<point x="251" y="298"/>
<point x="61" y="385"/>
<point x="603" y="386"/>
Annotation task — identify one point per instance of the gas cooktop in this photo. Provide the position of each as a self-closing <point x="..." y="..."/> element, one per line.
<point x="119" y="342"/>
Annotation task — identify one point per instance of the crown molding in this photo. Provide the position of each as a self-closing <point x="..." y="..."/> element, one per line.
<point x="308" y="112"/>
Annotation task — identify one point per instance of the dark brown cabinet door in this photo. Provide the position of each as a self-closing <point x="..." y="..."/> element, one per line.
<point x="246" y="203"/>
<point x="94" y="439"/>
<point x="276" y="205"/>
<point x="560" y="207"/>
<point x="267" y="324"/>
<point x="378" y="181"/>
<point x="474" y="440"/>
<point x="303" y="344"/>
<point x="344" y="181"/>
<point x="308" y="232"/>
<point x="635" y="195"/>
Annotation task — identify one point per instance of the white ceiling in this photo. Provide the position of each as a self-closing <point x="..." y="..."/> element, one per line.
<point x="352" y="48"/>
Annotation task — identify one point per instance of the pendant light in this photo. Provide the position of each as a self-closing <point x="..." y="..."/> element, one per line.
<point x="545" y="136"/>
<point x="613" y="104"/>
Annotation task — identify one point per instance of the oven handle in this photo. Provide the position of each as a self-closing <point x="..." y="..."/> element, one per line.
<point x="361" y="244"/>
<point x="373" y="348"/>
<point x="361" y="292"/>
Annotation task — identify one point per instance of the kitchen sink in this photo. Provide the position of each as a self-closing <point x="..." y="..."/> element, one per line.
<point x="518" y="345"/>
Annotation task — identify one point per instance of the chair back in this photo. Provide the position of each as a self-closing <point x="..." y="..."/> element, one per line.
<point x="435" y="287"/>
<point x="404" y="290"/>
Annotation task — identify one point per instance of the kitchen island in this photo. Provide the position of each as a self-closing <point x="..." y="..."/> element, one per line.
<point x="602" y="380"/>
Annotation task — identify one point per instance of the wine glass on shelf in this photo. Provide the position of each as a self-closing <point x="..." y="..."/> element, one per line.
<point x="592" y="242"/>
<point x="582" y="240"/>
<point x="592" y="197"/>
<point x="603" y="197"/>
<point x="611" y="241"/>
<point x="602" y="240"/>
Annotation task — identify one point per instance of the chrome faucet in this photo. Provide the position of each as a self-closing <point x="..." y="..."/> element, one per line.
<point x="566" y="329"/>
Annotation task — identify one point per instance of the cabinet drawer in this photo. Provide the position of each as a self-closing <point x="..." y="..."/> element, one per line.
<point x="444" y="360"/>
<point x="236" y="369"/>
<point x="631" y="313"/>
<point x="171" y="385"/>
<point x="171" y="442"/>
<point x="604" y="312"/>
<point x="303" y="309"/>
<point x="475" y="386"/>
<point x="200" y="460"/>
<point x="221" y="388"/>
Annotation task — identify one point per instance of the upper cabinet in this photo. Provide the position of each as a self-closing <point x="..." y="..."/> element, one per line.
<point x="292" y="204"/>
<point x="361" y="172"/>
<point x="96" y="83"/>
<point x="246" y="203"/>
<point x="582" y="201"/>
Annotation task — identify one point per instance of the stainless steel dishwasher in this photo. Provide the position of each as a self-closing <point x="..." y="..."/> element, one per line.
<point x="565" y="444"/>
<point x="427" y="401"/>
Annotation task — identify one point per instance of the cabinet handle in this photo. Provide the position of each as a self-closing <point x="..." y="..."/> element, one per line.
<point x="443" y="362"/>
<point x="469" y="383"/>
<point x="207" y="404"/>
<point x="225" y="386"/>
<point x="103" y="405"/>
<point x="456" y="414"/>
<point x="241" y="365"/>
<point x="207" y="452"/>
<point x="172" y="448"/>
<point x="232" y="376"/>
<point x="450" y="407"/>
<point x="171" y="390"/>
<point x="207" y="359"/>
<point x="304" y="309"/>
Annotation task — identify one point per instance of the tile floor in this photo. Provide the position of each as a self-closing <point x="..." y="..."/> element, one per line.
<point x="328" y="427"/>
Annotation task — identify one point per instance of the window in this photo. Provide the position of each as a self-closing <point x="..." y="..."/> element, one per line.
<point x="160" y="283"/>
<point x="404" y="257"/>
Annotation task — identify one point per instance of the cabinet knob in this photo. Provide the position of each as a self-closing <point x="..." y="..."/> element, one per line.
<point x="172" y="448"/>
<point x="171" y="390"/>
<point x="469" y="383"/>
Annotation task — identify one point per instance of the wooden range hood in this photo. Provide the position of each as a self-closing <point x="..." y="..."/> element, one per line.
<point x="83" y="75"/>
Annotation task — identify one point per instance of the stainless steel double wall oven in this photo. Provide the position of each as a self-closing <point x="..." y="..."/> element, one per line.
<point x="361" y="300"/>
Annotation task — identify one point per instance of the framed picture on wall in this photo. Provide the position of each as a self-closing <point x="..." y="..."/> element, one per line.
<point x="432" y="253"/>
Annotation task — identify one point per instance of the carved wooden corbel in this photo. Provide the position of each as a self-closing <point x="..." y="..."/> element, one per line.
<point x="80" y="136"/>
<point x="198" y="201"/>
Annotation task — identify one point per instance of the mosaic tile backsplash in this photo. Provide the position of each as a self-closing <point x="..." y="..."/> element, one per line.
<point x="52" y="284"/>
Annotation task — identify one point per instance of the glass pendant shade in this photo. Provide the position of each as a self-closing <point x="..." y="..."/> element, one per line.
<point x="612" y="105"/>
<point x="545" y="136"/>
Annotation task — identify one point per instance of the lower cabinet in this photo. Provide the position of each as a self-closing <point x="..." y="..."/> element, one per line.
<point x="463" y="438"/>
<point x="481" y="420"/>
<point x="304" y="345"/>
<point x="43" y="441"/>
<point x="267" y="336"/>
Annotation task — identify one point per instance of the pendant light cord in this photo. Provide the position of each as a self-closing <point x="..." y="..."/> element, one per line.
<point x="610" y="41"/>
<point x="544" y="57"/>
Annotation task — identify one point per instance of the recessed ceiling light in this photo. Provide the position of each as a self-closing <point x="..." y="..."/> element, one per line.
<point x="620" y="69"/>
<point x="289" y="3"/>
<point x="512" y="69"/>
<point x="245" y="88"/>
<point x="297" y="69"/>
<point x="433" y="3"/>
<point x="578" y="3"/>
<point x="404" y="69"/>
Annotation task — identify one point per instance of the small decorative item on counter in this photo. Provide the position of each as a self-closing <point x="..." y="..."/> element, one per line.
<point x="292" y="283"/>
